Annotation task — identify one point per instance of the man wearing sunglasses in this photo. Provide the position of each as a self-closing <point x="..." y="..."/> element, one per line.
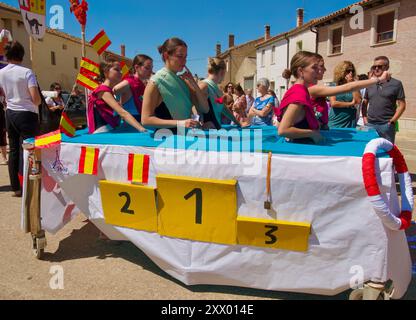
<point x="386" y="102"/>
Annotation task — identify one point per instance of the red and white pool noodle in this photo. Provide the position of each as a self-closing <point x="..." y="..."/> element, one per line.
<point x="394" y="221"/>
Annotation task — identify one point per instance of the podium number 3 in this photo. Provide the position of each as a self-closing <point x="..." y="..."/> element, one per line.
<point x="270" y="234"/>
<point x="198" y="212"/>
<point x="125" y="208"/>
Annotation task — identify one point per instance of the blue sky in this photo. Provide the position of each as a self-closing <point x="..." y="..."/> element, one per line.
<point x="143" y="25"/>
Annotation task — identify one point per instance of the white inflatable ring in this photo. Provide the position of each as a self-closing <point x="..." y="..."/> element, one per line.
<point x="393" y="221"/>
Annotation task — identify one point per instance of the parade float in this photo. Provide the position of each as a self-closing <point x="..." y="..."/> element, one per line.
<point x="235" y="207"/>
<point x="238" y="207"/>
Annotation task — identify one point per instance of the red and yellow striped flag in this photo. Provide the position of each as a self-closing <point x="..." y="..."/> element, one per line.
<point x="48" y="140"/>
<point x="88" y="161"/>
<point x="89" y="67"/>
<point x="87" y="82"/>
<point x="100" y="42"/>
<point x="138" y="168"/>
<point x="66" y="126"/>
<point x="124" y="69"/>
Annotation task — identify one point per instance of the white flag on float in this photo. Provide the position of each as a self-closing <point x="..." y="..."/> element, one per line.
<point x="33" y="14"/>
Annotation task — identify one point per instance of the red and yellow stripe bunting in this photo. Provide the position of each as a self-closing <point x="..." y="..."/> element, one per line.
<point x="90" y="66"/>
<point x="48" y="140"/>
<point x="124" y="69"/>
<point x="138" y="168"/>
<point x="87" y="82"/>
<point x="89" y="70"/>
<point x="88" y="162"/>
<point x="66" y="126"/>
<point x="100" y="42"/>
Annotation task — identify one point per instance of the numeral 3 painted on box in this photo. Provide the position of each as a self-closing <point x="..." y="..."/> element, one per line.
<point x="274" y="234"/>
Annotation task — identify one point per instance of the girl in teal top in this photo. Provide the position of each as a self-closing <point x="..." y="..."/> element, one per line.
<point x="209" y="86"/>
<point x="168" y="98"/>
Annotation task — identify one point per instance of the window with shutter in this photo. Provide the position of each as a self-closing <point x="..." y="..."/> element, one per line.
<point x="336" y="41"/>
<point x="385" y="27"/>
<point x="53" y="58"/>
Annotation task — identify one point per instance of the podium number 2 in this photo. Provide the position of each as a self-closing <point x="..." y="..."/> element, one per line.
<point x="270" y="234"/>
<point x="125" y="208"/>
<point x="198" y="194"/>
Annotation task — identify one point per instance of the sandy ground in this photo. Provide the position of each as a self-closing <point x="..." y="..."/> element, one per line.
<point x="95" y="269"/>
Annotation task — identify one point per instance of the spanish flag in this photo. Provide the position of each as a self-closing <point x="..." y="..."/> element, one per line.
<point x="100" y="42"/>
<point x="124" y="69"/>
<point x="87" y="82"/>
<point x="88" y="162"/>
<point x="89" y="67"/>
<point x="138" y="168"/>
<point x="48" y="140"/>
<point x="66" y="126"/>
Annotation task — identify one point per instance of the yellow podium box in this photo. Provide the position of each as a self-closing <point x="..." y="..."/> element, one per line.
<point x="292" y="236"/>
<point x="129" y="206"/>
<point x="197" y="209"/>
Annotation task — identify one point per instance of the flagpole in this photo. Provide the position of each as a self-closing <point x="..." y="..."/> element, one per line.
<point x="84" y="55"/>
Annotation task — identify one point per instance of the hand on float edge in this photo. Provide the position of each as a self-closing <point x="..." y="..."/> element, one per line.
<point x="188" y="123"/>
<point x="317" y="137"/>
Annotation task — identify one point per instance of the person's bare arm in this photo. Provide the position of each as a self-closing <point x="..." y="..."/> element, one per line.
<point x="340" y="104"/>
<point x="151" y="100"/>
<point x="357" y="97"/>
<point x="204" y="88"/>
<point x="264" y="112"/>
<point x="34" y="94"/>
<point x="199" y="99"/>
<point x="125" y="115"/>
<point x="401" y="107"/>
<point x="325" y="91"/>
<point x="123" y="91"/>
<point x="293" y="114"/>
<point x="50" y="106"/>
<point x="228" y="113"/>
<point x="364" y="109"/>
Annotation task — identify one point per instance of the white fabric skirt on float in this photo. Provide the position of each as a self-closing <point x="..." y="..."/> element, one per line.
<point x="348" y="242"/>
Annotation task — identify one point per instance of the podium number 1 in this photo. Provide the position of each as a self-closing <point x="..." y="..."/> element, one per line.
<point x="198" y="194"/>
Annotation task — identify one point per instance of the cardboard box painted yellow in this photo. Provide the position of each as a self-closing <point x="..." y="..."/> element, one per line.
<point x="197" y="209"/>
<point x="293" y="236"/>
<point x="130" y="206"/>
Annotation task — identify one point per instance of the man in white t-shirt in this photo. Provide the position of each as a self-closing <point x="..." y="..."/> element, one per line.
<point x="22" y="98"/>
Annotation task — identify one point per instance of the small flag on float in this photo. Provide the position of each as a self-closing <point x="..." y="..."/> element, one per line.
<point x="100" y="42"/>
<point x="87" y="82"/>
<point x="89" y="67"/>
<point x="88" y="161"/>
<point x="48" y="140"/>
<point x="66" y="126"/>
<point x="124" y="69"/>
<point x="138" y="168"/>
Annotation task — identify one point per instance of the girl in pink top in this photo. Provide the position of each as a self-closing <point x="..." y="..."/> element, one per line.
<point x="295" y="113"/>
<point x="131" y="89"/>
<point x="102" y="104"/>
